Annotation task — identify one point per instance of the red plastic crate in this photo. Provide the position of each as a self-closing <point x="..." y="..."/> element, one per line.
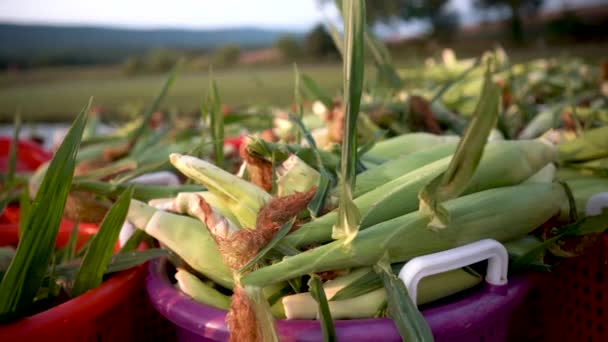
<point x="116" y="311"/>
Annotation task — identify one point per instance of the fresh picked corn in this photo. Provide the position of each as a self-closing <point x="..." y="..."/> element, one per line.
<point x="504" y="163"/>
<point x="502" y="214"/>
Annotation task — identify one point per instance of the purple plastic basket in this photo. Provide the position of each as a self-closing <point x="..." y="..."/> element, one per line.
<point x="480" y="314"/>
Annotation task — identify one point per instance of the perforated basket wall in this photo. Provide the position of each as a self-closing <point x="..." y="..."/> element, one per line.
<point x="570" y="303"/>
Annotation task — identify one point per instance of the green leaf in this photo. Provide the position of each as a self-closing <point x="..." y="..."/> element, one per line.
<point x="25" y="206"/>
<point x="118" y="262"/>
<point x="447" y="85"/>
<point x="454" y="180"/>
<point x="354" y="27"/>
<point x="315" y="286"/>
<point x="10" y="183"/>
<point x="313" y="89"/>
<point x="97" y="256"/>
<point x="584" y="226"/>
<point x="401" y="309"/>
<point x="336" y="37"/>
<point x="278" y="237"/>
<point x="12" y="153"/>
<point x="217" y="121"/>
<point x="70" y="248"/>
<point x="143" y="126"/>
<point x="366" y="283"/>
<point x="386" y="72"/>
<point x="325" y="178"/>
<point x="298" y="100"/>
<point x="35" y="250"/>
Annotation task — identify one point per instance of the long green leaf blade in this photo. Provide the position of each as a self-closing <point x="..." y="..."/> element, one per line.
<point x="278" y="237"/>
<point x="27" y="270"/>
<point x="217" y="122"/>
<point x="97" y="256"/>
<point x="315" y="287"/>
<point x="401" y="309"/>
<point x="354" y="28"/>
<point x="325" y="179"/>
<point x="141" y="129"/>
<point x="455" y="179"/>
<point x="313" y="90"/>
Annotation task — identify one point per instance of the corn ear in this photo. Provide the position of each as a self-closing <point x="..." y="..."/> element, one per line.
<point x="513" y="161"/>
<point x="592" y="144"/>
<point x="201" y="292"/>
<point x="243" y="198"/>
<point x="294" y="175"/>
<point x="187" y="237"/>
<point x="390" y="170"/>
<point x="303" y="306"/>
<point x="408" y="143"/>
<point x="502" y="214"/>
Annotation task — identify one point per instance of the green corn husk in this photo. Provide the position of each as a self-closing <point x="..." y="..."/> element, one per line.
<point x="408" y="143"/>
<point x="243" y="198"/>
<point x="188" y="203"/>
<point x="201" y="292"/>
<point x="568" y="173"/>
<point x="541" y="123"/>
<point x="386" y="172"/>
<point x="544" y="175"/>
<point x="502" y="214"/>
<point x="303" y="306"/>
<point x="187" y="237"/>
<point x="281" y="152"/>
<point x="504" y="163"/>
<point x="294" y="175"/>
<point x="583" y="189"/>
<point x="599" y="166"/>
<point x="592" y="144"/>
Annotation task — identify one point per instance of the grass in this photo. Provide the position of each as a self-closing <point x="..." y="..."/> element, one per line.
<point x="44" y="98"/>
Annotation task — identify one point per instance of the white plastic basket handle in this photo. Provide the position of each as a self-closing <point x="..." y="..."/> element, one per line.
<point x="596" y="204"/>
<point x="426" y="265"/>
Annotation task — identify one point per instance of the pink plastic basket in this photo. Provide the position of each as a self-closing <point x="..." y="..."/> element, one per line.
<point x="481" y="314"/>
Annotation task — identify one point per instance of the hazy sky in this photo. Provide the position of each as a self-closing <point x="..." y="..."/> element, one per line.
<point x="298" y="14"/>
<point x="286" y="14"/>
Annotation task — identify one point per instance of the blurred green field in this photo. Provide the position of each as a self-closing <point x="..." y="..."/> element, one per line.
<point x="53" y="95"/>
<point x="58" y="94"/>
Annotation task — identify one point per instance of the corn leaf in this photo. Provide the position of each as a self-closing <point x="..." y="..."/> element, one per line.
<point x="297" y="96"/>
<point x="278" y="237"/>
<point x="24" y="210"/>
<point x="366" y="283"/>
<point x="401" y="309"/>
<point x="335" y="35"/>
<point x="35" y="250"/>
<point x="451" y="183"/>
<point x="325" y="178"/>
<point x="147" y="116"/>
<point x="385" y="70"/>
<point x="118" y="262"/>
<point x="354" y="27"/>
<point x="12" y="152"/>
<point x="584" y="226"/>
<point x="447" y="85"/>
<point x="70" y="248"/>
<point x="314" y="91"/>
<point x="90" y="274"/>
<point x="315" y="286"/>
<point x="7" y="194"/>
<point x="214" y="112"/>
